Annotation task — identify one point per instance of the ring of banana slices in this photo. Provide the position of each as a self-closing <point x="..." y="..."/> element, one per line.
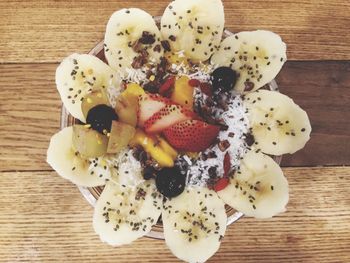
<point x="189" y="35"/>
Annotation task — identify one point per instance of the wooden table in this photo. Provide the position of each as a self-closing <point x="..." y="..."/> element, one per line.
<point x="44" y="218"/>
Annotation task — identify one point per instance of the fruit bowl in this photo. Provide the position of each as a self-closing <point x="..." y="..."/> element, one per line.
<point x="91" y="194"/>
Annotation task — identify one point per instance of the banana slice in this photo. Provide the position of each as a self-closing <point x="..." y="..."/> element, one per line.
<point x="127" y="28"/>
<point x="194" y="224"/>
<point x="123" y="214"/>
<point x="71" y="166"/>
<point x="78" y="75"/>
<point x="257" y="57"/>
<point x="258" y="189"/>
<point x="278" y="124"/>
<point x="194" y="26"/>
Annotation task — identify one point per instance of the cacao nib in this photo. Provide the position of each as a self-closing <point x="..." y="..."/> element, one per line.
<point x="144" y="53"/>
<point x="139" y="61"/>
<point x="212" y="172"/>
<point x="172" y="38"/>
<point x="212" y="154"/>
<point x="223" y="145"/>
<point x="140" y="194"/>
<point x="137" y="47"/>
<point x="165" y="45"/>
<point x="157" y="48"/>
<point x="147" y="38"/>
<point x="249" y="139"/>
<point x="248" y="86"/>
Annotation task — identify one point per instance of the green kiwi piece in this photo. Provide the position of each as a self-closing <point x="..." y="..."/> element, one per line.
<point x="88" y="142"/>
<point x="96" y="97"/>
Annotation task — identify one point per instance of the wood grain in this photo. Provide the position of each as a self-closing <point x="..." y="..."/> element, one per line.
<point x="322" y="89"/>
<point x="30" y="112"/>
<point x="47" y="31"/>
<point x="43" y="218"/>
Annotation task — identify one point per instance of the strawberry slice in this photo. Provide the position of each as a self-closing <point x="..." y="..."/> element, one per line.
<point x="191" y="135"/>
<point x="150" y="104"/>
<point x="221" y="184"/>
<point x="166" y="117"/>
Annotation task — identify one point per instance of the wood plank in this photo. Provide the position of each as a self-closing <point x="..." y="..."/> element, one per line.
<point x="30" y="112"/>
<point x="43" y="218"/>
<point x="47" y="31"/>
<point x="322" y="89"/>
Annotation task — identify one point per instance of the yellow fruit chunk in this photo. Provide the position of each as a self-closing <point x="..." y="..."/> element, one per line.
<point x="134" y="89"/>
<point x="176" y="58"/>
<point x="167" y="147"/>
<point x="127" y="104"/>
<point x="152" y="146"/>
<point x="183" y="92"/>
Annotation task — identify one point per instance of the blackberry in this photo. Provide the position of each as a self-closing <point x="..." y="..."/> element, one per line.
<point x="223" y="79"/>
<point x="170" y="181"/>
<point x="100" y="118"/>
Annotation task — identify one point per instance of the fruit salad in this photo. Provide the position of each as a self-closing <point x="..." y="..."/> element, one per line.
<point x="176" y="123"/>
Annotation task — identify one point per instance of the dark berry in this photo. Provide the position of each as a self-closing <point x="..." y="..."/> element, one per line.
<point x="223" y="79"/>
<point x="100" y="118"/>
<point x="149" y="172"/>
<point x="170" y="181"/>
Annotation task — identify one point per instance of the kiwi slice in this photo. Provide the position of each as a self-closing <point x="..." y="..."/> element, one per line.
<point x="96" y="97"/>
<point x="88" y="142"/>
<point x="120" y="136"/>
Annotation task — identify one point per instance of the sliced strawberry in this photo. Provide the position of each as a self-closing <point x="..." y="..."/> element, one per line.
<point x="191" y="135"/>
<point x="150" y="104"/>
<point x="157" y="97"/>
<point x="227" y="164"/>
<point x="167" y="86"/>
<point x="166" y="117"/>
<point x="221" y="184"/>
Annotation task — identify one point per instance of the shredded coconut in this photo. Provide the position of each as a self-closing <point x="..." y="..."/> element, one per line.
<point x="126" y="169"/>
<point x="237" y="122"/>
<point x="130" y="75"/>
<point x="200" y="71"/>
<point x="129" y="170"/>
<point x="135" y="75"/>
<point x="113" y="93"/>
<point x="114" y="89"/>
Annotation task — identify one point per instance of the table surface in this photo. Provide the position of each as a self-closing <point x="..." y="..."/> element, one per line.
<point x="43" y="218"/>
